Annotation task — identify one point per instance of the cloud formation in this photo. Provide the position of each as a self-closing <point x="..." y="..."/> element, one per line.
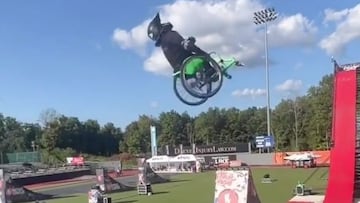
<point x="290" y="86"/>
<point x="135" y="39"/>
<point x="249" y="92"/>
<point x="347" y="30"/>
<point x="224" y="26"/>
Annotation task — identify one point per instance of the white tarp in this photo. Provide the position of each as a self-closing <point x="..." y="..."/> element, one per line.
<point x="184" y="158"/>
<point x="159" y="159"/>
<point x="231" y="186"/>
<point x="178" y="159"/>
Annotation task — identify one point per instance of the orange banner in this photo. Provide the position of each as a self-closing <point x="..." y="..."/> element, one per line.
<point x="322" y="157"/>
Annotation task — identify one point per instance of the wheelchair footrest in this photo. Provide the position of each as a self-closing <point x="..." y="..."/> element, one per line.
<point x="227" y="75"/>
<point x="176" y="73"/>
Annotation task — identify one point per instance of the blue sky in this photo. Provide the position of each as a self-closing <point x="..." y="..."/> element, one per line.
<point x="63" y="55"/>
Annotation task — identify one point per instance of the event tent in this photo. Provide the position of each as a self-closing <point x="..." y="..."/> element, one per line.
<point x="181" y="163"/>
<point x="159" y="159"/>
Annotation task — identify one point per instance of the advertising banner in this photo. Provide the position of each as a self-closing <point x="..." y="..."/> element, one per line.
<point x="75" y="161"/>
<point x="265" y="141"/>
<point x="220" y="159"/>
<point x="205" y="149"/>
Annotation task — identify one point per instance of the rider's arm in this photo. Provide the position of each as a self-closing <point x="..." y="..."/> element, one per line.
<point x="189" y="45"/>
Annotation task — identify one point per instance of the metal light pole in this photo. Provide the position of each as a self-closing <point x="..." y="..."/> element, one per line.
<point x="295" y="108"/>
<point x="263" y="17"/>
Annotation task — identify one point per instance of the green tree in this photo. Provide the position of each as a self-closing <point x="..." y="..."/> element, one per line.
<point x="32" y="133"/>
<point x="319" y="116"/>
<point x="208" y="125"/>
<point x="110" y="138"/>
<point x="171" y="130"/>
<point x="13" y="137"/>
<point x="89" y="137"/>
<point x="137" y="135"/>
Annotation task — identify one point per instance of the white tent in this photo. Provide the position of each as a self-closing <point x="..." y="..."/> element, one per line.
<point x="159" y="163"/>
<point x="183" y="163"/>
<point x="159" y="159"/>
<point x="184" y="158"/>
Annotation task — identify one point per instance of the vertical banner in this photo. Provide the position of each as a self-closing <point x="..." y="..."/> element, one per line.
<point x="142" y="172"/>
<point x="181" y="148"/>
<point x="2" y="187"/>
<point x="100" y="179"/>
<point x="167" y="150"/>
<point x="153" y="140"/>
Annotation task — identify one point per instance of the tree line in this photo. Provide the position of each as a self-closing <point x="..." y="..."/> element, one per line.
<point x="302" y="123"/>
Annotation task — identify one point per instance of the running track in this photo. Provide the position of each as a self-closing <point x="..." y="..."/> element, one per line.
<point x="83" y="187"/>
<point x="79" y="185"/>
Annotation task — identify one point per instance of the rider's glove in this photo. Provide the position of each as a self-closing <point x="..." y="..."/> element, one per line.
<point x="189" y="43"/>
<point x="192" y="40"/>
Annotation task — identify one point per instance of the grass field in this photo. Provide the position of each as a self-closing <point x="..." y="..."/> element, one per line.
<point x="199" y="188"/>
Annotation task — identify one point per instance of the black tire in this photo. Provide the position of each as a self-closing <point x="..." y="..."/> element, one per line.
<point x="177" y="85"/>
<point x="190" y="89"/>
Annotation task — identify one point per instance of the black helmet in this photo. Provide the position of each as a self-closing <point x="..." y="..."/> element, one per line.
<point x="154" y="28"/>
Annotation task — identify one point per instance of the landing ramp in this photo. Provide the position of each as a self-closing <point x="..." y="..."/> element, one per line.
<point x="235" y="186"/>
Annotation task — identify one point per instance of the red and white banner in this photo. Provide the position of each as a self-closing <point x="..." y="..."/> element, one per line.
<point x="75" y="161"/>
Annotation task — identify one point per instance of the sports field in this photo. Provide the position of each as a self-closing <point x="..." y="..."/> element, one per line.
<point x="199" y="188"/>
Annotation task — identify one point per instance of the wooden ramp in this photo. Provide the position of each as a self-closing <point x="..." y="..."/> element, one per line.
<point x="235" y="186"/>
<point x="308" y="199"/>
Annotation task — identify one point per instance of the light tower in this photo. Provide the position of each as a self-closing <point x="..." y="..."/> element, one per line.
<point x="263" y="17"/>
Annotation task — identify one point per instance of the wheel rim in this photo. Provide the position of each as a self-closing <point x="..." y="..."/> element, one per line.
<point x="184" y="96"/>
<point x="195" y="83"/>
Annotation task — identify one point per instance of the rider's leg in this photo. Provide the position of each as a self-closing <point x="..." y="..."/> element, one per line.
<point x="210" y="72"/>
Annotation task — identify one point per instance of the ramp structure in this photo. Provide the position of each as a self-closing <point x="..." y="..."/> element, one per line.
<point x="235" y="186"/>
<point x="109" y="184"/>
<point x="11" y="192"/>
<point x="155" y="178"/>
<point x="151" y="176"/>
<point x="344" y="173"/>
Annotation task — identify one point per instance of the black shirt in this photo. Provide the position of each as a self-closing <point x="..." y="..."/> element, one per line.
<point x="175" y="53"/>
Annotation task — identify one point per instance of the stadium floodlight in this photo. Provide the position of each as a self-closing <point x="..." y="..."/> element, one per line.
<point x="263" y="17"/>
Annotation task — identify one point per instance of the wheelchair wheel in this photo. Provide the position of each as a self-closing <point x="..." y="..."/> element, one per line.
<point x="199" y="71"/>
<point x="184" y="95"/>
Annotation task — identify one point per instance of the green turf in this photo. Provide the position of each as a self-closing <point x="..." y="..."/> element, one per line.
<point x="199" y="188"/>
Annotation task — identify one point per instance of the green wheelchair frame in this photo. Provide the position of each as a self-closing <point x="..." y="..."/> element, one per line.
<point x="196" y="64"/>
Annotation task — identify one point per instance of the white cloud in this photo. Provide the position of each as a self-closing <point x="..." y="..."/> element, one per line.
<point x="293" y="30"/>
<point x="154" y="104"/>
<point x="247" y="92"/>
<point x="347" y="30"/>
<point x="224" y="26"/>
<point x="335" y="16"/>
<point x="290" y="86"/>
<point x="157" y="64"/>
<point x="135" y="39"/>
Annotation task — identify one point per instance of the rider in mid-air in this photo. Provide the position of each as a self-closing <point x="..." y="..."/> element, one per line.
<point x="175" y="48"/>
